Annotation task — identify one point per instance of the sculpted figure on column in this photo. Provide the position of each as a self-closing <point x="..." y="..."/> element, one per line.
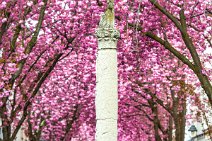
<point x="107" y="19"/>
<point x="106" y="29"/>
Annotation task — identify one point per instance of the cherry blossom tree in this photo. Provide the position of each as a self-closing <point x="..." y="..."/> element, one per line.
<point x="183" y="28"/>
<point x="47" y="81"/>
<point x="33" y="42"/>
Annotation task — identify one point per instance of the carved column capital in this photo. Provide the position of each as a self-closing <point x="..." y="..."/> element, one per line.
<point x="107" y="34"/>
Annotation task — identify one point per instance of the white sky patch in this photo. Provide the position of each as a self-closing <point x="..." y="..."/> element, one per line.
<point x="208" y="65"/>
<point x="1" y="51"/>
<point x="208" y="52"/>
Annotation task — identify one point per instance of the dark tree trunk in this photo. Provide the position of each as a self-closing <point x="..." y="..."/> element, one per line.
<point x="6" y="133"/>
<point x="179" y="119"/>
<point x="156" y="121"/>
<point x="170" y="129"/>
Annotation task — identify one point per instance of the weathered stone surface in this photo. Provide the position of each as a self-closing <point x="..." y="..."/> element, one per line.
<point x="107" y="34"/>
<point x="106" y="100"/>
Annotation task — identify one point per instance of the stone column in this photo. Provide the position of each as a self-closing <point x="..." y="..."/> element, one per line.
<point x="106" y="101"/>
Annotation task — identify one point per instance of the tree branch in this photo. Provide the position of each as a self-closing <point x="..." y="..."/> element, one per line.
<point x="168" y="46"/>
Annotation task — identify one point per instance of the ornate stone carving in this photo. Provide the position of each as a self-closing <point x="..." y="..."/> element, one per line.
<point x="106" y="30"/>
<point x="107" y="19"/>
<point x="107" y="34"/>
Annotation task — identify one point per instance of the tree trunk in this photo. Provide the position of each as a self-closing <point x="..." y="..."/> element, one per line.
<point x="156" y="121"/>
<point x="6" y="133"/>
<point x="170" y="129"/>
<point x="206" y="85"/>
<point x="179" y="121"/>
